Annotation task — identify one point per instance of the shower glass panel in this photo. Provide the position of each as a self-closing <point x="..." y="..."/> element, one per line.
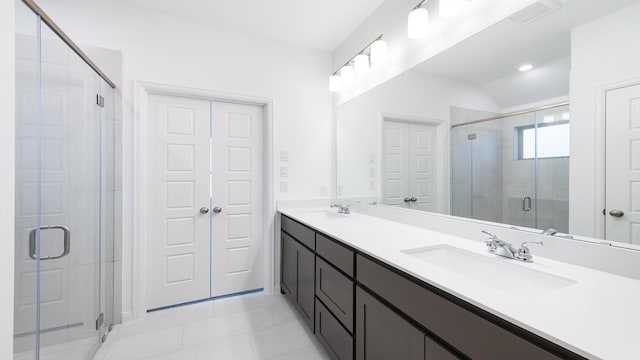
<point x="27" y="204"/>
<point x="64" y="198"/>
<point x="513" y="170"/>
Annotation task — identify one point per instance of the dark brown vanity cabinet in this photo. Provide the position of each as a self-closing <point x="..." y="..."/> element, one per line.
<point x="382" y="334"/>
<point x="298" y="275"/>
<point x="362" y="308"/>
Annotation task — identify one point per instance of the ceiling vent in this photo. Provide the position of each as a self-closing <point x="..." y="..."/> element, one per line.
<point x="536" y="11"/>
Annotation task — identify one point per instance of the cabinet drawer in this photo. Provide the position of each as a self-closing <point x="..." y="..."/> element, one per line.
<point x="338" y="255"/>
<point x="335" y="339"/>
<point x="300" y="232"/>
<point x="471" y="334"/>
<point x="336" y="292"/>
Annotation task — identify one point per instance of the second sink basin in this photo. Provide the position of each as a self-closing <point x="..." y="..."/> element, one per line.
<point x="329" y="214"/>
<point x="511" y="278"/>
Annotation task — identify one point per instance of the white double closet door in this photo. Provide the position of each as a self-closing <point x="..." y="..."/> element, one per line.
<point x="409" y="171"/>
<point x="205" y="195"/>
<point x="622" y="189"/>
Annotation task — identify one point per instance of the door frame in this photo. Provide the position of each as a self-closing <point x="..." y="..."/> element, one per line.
<point x="142" y="90"/>
<point x="600" y="145"/>
<point x="442" y="166"/>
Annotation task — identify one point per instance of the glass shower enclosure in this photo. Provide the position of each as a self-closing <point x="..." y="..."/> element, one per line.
<point x="63" y="303"/>
<point x="513" y="169"/>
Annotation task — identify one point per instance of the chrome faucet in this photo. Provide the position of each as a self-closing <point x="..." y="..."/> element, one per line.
<point x="342" y="209"/>
<point x="503" y="248"/>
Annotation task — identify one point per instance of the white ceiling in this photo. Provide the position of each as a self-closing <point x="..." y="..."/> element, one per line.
<point x="321" y="25"/>
<point x="499" y="50"/>
<point x="491" y="58"/>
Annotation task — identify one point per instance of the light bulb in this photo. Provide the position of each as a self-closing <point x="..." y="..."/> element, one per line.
<point x="335" y="83"/>
<point x="450" y="8"/>
<point x="361" y="64"/>
<point x="525" y="67"/>
<point x="346" y="73"/>
<point x="379" y="52"/>
<point x="418" y="24"/>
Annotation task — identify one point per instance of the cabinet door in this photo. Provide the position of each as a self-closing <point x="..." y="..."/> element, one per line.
<point x="336" y="292"/>
<point x="433" y="351"/>
<point x="381" y="334"/>
<point x="306" y="282"/>
<point x="289" y="266"/>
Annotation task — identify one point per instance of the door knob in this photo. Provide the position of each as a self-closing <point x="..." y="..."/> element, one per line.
<point x="204" y="210"/>
<point x="616" y="213"/>
<point x="217" y="210"/>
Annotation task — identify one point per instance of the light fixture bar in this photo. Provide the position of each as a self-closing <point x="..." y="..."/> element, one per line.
<point x="419" y="4"/>
<point x="360" y="52"/>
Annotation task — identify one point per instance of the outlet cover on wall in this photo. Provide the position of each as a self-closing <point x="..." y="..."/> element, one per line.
<point x="284" y="186"/>
<point x="284" y="171"/>
<point x="284" y="155"/>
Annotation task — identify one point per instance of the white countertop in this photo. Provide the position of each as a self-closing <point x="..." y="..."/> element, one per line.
<point x="596" y="317"/>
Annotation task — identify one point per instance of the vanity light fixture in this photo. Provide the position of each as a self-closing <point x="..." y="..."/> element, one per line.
<point x="525" y="67"/>
<point x="451" y="8"/>
<point x="346" y="74"/>
<point x="335" y="83"/>
<point x="359" y="64"/>
<point x="379" y="52"/>
<point x="418" y="23"/>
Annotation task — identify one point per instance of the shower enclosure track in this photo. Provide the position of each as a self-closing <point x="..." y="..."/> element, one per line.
<point x="47" y="20"/>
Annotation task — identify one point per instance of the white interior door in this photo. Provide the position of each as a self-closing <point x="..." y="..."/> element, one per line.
<point x="422" y="169"/>
<point x="395" y="189"/>
<point x="409" y="165"/>
<point x="237" y="222"/>
<point x="178" y="232"/>
<point x="623" y="165"/>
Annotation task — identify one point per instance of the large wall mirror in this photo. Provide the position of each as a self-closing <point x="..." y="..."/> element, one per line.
<point x="533" y="123"/>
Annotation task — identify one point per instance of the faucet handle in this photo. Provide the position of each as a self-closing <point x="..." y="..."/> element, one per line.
<point x="493" y="236"/>
<point x="525" y="244"/>
<point x="524" y="253"/>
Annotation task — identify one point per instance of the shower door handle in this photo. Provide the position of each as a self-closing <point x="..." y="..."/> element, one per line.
<point x="526" y="203"/>
<point x="66" y="247"/>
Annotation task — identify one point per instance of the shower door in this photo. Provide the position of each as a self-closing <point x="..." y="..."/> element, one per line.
<point x="514" y="169"/>
<point x="59" y="197"/>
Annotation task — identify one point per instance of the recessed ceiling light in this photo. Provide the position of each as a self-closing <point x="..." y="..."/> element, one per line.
<point x="525" y="67"/>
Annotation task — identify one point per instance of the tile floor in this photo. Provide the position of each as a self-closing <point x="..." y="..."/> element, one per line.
<point x="256" y="326"/>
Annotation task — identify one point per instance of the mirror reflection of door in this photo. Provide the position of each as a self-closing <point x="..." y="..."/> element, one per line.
<point x="409" y="172"/>
<point x="622" y="191"/>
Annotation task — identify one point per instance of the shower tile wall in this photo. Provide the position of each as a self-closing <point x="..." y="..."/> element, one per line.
<point x="476" y="167"/>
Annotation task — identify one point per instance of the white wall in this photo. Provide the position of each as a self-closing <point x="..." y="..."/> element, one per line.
<point x="604" y="53"/>
<point x="7" y="159"/>
<point x="411" y="94"/>
<point x="175" y="51"/>
<point x="390" y="19"/>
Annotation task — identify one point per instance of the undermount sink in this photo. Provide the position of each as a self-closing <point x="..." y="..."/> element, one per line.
<point x="511" y="278"/>
<point x="329" y="214"/>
